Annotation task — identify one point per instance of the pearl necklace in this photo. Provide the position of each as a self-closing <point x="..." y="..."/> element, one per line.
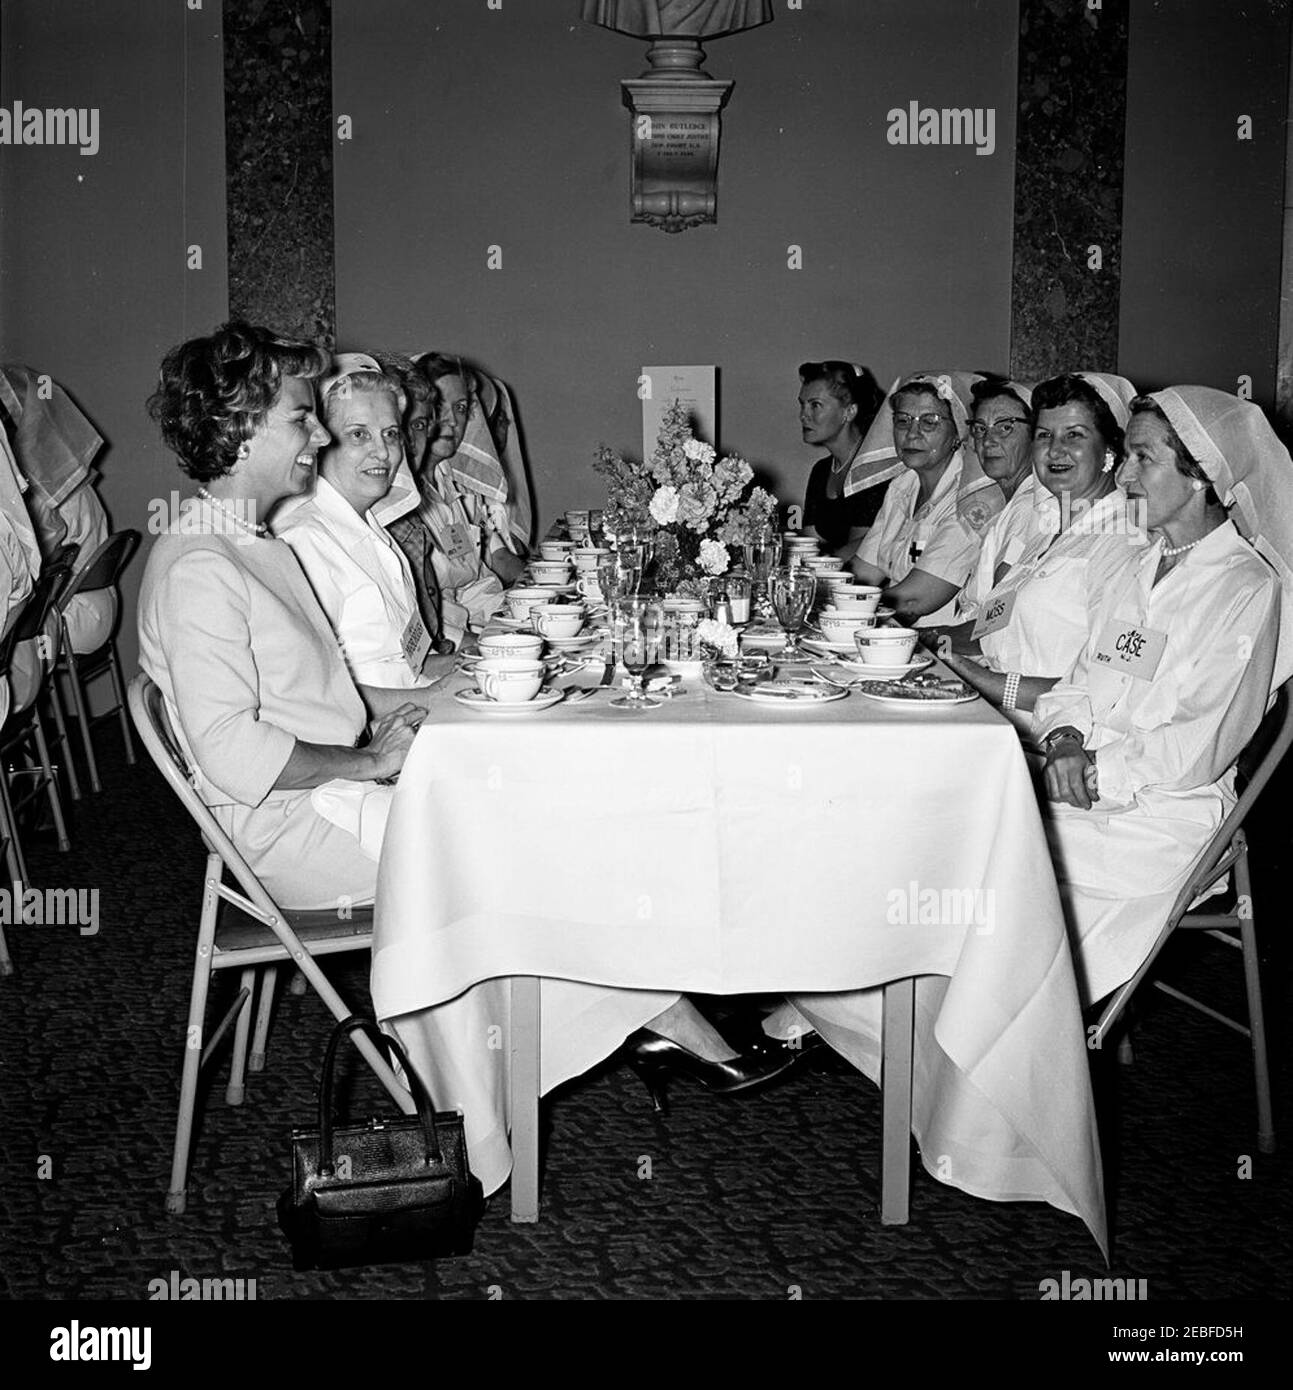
<point x="1170" y="551"/>
<point x="253" y="528"/>
<point x="838" y="466"/>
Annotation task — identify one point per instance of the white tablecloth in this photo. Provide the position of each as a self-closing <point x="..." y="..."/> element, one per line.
<point x="721" y="846"/>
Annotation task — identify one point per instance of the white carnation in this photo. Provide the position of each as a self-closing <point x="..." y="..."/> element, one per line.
<point x="664" y="506"/>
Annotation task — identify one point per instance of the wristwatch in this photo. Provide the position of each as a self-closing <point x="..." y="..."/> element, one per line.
<point x="1063" y="732"/>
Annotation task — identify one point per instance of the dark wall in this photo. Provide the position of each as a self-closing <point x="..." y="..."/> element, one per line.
<point x="1202" y="209"/>
<point x="95" y="285"/>
<point x="476" y="127"/>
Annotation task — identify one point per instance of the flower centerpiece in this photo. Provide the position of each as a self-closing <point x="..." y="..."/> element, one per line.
<point x="694" y="508"/>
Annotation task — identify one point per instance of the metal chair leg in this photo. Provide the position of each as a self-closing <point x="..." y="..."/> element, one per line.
<point x="1256" y="1013"/>
<point x="60" y="725"/>
<point x="268" y="980"/>
<point x="236" y="1089"/>
<point x="83" y="719"/>
<point x="177" y="1196"/>
<point x="119" y="694"/>
<point x="50" y="779"/>
<point x="17" y="862"/>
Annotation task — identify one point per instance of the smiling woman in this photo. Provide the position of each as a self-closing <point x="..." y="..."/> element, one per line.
<point x="358" y="573"/>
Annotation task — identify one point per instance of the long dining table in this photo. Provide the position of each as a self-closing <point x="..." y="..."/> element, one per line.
<point x="882" y="866"/>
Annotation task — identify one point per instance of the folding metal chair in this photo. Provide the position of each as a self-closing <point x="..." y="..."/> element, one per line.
<point x="1236" y="927"/>
<point x="102" y="571"/>
<point x="243" y="930"/>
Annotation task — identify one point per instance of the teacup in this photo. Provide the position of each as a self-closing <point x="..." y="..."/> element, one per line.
<point x="521" y="600"/>
<point x="551" y="572"/>
<point x="885" y="646"/>
<point x="558" y="619"/>
<point x="833" y="578"/>
<point x="588" y="586"/>
<point x="840" y="627"/>
<point x="823" y="563"/>
<point x="588" y="557"/>
<point x="554" y="551"/>
<point x="856" y="598"/>
<point x="509" y="680"/>
<point x="510" y="644"/>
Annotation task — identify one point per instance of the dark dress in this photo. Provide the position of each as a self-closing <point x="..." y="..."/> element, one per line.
<point x="834" y="519"/>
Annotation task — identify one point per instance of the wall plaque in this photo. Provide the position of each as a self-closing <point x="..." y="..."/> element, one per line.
<point x="675" y="105"/>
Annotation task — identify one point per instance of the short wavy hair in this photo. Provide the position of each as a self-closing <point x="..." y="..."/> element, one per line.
<point x="1186" y="464"/>
<point x="214" y="392"/>
<point x="362" y="384"/>
<point x="1064" y="390"/>
<point x="847" y="385"/>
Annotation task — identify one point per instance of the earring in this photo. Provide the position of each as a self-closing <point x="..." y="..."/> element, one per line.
<point x="244" y="451"/>
<point x="1109" y="461"/>
<point x="1197" y="485"/>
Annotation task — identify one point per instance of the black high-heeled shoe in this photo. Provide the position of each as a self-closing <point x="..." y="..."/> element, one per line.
<point x="654" y="1058"/>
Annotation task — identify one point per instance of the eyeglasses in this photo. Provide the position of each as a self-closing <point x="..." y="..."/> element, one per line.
<point x="999" y="429"/>
<point x="927" y="423"/>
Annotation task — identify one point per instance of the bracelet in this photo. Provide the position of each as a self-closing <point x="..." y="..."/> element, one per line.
<point x="1011" y="693"/>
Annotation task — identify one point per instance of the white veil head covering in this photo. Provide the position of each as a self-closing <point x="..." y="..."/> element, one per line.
<point x="403" y="495"/>
<point x="978" y="498"/>
<point x="1115" y="391"/>
<point x="1251" y="473"/>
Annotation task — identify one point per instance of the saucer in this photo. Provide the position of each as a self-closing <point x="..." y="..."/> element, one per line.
<point x="887" y="673"/>
<point x="571" y="644"/>
<point x="479" y="701"/>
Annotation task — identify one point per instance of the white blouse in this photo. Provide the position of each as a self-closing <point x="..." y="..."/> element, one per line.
<point x="1048" y="581"/>
<point x="365" y="586"/>
<point x="1004" y="541"/>
<point x="931" y="537"/>
<point x="1183" y="729"/>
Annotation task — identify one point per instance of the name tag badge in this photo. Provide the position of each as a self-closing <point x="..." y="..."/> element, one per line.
<point x="415" y="643"/>
<point x="458" y="541"/>
<point x="1130" y="648"/>
<point x="995" y="614"/>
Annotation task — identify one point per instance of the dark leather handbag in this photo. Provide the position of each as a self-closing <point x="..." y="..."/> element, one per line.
<point x="385" y="1192"/>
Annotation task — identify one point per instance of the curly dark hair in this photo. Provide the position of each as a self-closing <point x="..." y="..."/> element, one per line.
<point x="1186" y="463"/>
<point x="1066" y="388"/>
<point x="214" y="392"/>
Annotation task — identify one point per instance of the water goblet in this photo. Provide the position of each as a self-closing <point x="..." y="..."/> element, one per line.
<point x="636" y="627"/>
<point x="792" y="593"/>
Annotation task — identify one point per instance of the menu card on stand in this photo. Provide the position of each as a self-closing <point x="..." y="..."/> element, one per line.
<point x="659" y="387"/>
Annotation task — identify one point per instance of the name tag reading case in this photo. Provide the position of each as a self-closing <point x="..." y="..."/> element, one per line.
<point x="1130" y="648"/>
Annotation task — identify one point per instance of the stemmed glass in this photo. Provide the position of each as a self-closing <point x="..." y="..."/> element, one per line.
<point x="619" y="573"/>
<point x="793" y="591"/>
<point x="762" y="554"/>
<point x="637" y="625"/>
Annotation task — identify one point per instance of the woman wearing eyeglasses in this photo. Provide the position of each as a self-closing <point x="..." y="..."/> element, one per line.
<point x="925" y="541"/>
<point x="836" y="405"/>
<point x="1027" y="628"/>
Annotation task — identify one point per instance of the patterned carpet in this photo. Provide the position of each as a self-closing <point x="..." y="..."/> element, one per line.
<point x="767" y="1197"/>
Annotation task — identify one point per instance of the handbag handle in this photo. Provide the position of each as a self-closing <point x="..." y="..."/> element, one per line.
<point x="426" y="1111"/>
